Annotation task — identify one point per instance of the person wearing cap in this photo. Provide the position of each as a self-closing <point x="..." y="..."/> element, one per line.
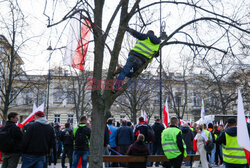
<point x="146" y="47"/>
<point x="173" y="145"/>
<point x="37" y="142"/>
<point x="233" y="154"/>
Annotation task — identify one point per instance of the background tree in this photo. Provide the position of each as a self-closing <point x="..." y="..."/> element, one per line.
<point x="12" y="25"/>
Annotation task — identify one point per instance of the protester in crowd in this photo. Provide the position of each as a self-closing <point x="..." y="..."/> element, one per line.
<point x="106" y="145"/>
<point x="188" y="137"/>
<point x="173" y="145"/>
<point x="112" y="142"/>
<point x="158" y="127"/>
<point x="37" y="142"/>
<point x="11" y="142"/>
<point x="138" y="148"/>
<point x="129" y="123"/>
<point x="143" y="128"/>
<point x="58" y="141"/>
<point x="212" y="139"/>
<point x="124" y="137"/>
<point x="81" y="135"/>
<point x="67" y="139"/>
<point x="217" y="153"/>
<point x="233" y="154"/>
<point x="194" y="126"/>
<point x="200" y="140"/>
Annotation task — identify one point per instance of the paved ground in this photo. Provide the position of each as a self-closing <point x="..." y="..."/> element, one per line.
<point x="59" y="166"/>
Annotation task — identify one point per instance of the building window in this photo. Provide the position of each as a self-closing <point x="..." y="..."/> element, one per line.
<point x="178" y="99"/>
<point x="196" y="100"/>
<point x="29" y="97"/>
<point x="57" y="118"/>
<point x="13" y="97"/>
<point x="70" y="119"/>
<point x="58" y="96"/>
<point x="70" y="97"/>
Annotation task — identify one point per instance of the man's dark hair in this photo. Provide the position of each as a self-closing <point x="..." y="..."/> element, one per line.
<point x="174" y="120"/>
<point x="210" y="125"/>
<point x="67" y="125"/>
<point x="124" y="122"/>
<point x="129" y="123"/>
<point x="151" y="32"/>
<point x="141" y="119"/>
<point x="205" y="126"/>
<point x="12" y="115"/>
<point x="157" y="120"/>
<point x="83" y="118"/>
<point x="110" y="121"/>
<point x="231" y="121"/>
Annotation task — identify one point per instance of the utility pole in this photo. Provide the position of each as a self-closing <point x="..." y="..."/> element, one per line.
<point x="160" y="68"/>
<point x="49" y="78"/>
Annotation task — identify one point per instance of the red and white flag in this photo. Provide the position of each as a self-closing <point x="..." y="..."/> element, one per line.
<point x="166" y="113"/>
<point x="31" y="116"/>
<point x="145" y="116"/>
<point x="191" y="122"/>
<point x="221" y="122"/>
<point x="242" y="131"/>
<point x="77" y="45"/>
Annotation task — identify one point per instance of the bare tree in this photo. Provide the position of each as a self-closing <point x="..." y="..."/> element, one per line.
<point x="190" y="29"/>
<point x="13" y="24"/>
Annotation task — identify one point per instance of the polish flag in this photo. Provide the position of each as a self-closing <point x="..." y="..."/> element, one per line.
<point x="221" y="122"/>
<point x="166" y="114"/>
<point x="78" y="41"/>
<point x="31" y="116"/>
<point x="145" y="117"/>
<point x="242" y="131"/>
<point x="182" y="122"/>
<point x="109" y="130"/>
<point x="191" y="122"/>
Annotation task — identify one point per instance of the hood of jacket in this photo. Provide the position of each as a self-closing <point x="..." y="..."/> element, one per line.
<point x="9" y="124"/>
<point x="42" y="120"/>
<point x="185" y="130"/>
<point x="231" y="131"/>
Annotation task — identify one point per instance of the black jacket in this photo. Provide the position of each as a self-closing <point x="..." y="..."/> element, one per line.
<point x="188" y="137"/>
<point x="16" y="134"/>
<point x="39" y="138"/>
<point x="158" y="128"/>
<point x="87" y="132"/>
<point x="67" y="137"/>
<point x="106" y="136"/>
<point x="124" y="135"/>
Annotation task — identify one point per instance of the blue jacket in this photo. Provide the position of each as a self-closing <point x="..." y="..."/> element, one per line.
<point x="124" y="135"/>
<point x="112" y="142"/>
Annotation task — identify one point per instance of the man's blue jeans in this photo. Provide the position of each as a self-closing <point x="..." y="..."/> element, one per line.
<point x="33" y="161"/>
<point x="76" y="157"/>
<point x="132" y="65"/>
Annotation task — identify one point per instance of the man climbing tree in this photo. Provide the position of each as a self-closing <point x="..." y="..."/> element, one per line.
<point x="146" y="47"/>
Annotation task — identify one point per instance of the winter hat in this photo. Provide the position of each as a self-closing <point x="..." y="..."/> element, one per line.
<point x="39" y="114"/>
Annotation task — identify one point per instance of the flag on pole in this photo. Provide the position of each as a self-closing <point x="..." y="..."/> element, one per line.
<point x="166" y="113"/>
<point x="242" y="131"/>
<point x="191" y="123"/>
<point x="221" y="122"/>
<point x="145" y="116"/>
<point x="77" y="44"/>
<point x="31" y="116"/>
<point x="182" y="122"/>
<point x="202" y="110"/>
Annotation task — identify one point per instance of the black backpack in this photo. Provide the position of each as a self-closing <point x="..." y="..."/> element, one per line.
<point x="80" y="137"/>
<point x="209" y="146"/>
<point x="7" y="141"/>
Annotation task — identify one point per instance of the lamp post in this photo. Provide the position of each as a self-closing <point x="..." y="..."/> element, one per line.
<point x="49" y="78"/>
<point x="160" y="68"/>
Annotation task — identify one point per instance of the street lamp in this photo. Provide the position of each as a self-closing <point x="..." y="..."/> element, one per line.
<point x="49" y="78"/>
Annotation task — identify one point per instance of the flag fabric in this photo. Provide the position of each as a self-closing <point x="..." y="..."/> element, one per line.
<point x="145" y="116"/>
<point x="109" y="130"/>
<point x="182" y="122"/>
<point x="77" y="44"/>
<point x="166" y="113"/>
<point x="221" y="122"/>
<point x="191" y="123"/>
<point x="202" y="110"/>
<point x="242" y="131"/>
<point x="31" y="116"/>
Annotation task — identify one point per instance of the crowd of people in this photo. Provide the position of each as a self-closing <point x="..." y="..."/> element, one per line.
<point x="40" y="144"/>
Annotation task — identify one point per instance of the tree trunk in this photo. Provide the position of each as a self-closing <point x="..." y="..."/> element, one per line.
<point x="98" y="128"/>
